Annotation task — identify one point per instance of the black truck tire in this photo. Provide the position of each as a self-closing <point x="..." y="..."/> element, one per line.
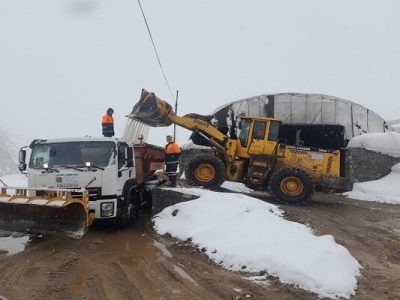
<point x="205" y="170"/>
<point x="291" y="185"/>
<point x="128" y="208"/>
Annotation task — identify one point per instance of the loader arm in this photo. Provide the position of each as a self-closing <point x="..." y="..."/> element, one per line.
<point x="156" y="112"/>
<point x="198" y="125"/>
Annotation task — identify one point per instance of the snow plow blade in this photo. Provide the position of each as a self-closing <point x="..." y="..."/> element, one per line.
<point x="54" y="212"/>
<point x="152" y="111"/>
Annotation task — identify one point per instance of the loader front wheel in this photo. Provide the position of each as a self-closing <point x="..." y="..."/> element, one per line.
<point x="205" y="170"/>
<point x="291" y="185"/>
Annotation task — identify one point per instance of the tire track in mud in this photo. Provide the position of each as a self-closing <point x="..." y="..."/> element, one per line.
<point x="367" y="230"/>
<point x="121" y="283"/>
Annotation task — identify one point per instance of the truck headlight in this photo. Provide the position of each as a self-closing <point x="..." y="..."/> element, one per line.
<point x="107" y="209"/>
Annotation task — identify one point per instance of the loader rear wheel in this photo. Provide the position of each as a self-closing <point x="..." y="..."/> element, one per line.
<point x="205" y="170"/>
<point x="291" y="185"/>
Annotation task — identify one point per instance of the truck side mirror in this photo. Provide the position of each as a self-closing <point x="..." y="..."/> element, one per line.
<point x="129" y="153"/>
<point x="22" y="167"/>
<point x="22" y="156"/>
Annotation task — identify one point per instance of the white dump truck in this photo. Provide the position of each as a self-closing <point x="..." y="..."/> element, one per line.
<point x="73" y="181"/>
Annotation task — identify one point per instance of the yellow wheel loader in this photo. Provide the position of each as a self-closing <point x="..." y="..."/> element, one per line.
<point x="256" y="157"/>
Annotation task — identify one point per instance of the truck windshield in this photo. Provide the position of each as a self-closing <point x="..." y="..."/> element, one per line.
<point x="73" y="154"/>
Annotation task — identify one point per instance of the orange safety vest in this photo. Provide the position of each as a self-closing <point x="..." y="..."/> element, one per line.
<point x="107" y="119"/>
<point x="107" y="123"/>
<point x="172" y="148"/>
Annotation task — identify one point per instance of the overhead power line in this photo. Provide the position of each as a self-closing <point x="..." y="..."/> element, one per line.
<point x="155" y="51"/>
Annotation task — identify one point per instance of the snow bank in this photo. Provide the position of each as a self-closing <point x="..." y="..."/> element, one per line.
<point x="385" y="190"/>
<point x="243" y="233"/>
<point x="386" y="143"/>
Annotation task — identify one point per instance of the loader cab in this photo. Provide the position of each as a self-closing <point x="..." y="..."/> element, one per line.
<point x="258" y="136"/>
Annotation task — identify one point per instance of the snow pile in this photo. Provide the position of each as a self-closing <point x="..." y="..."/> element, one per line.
<point x="243" y="233"/>
<point x="384" y="190"/>
<point x="236" y="187"/>
<point x="386" y="143"/>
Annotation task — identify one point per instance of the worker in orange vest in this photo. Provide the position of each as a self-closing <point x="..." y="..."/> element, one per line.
<point x="172" y="153"/>
<point x="107" y="123"/>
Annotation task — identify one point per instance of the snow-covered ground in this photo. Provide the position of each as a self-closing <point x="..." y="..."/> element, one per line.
<point x="386" y="143"/>
<point x="13" y="244"/>
<point x="384" y="190"/>
<point x="243" y="233"/>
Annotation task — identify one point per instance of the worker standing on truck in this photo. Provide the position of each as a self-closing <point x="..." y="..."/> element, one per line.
<point x="107" y="123"/>
<point x="172" y="153"/>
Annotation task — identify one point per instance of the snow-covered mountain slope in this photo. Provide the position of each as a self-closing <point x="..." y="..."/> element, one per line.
<point x="8" y="154"/>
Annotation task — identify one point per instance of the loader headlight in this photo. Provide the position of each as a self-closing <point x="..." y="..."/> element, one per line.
<point x="107" y="209"/>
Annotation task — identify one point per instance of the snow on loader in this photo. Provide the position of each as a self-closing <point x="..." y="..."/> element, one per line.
<point x="54" y="212"/>
<point x="258" y="157"/>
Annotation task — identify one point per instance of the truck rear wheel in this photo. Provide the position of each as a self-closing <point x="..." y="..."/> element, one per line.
<point x="205" y="170"/>
<point x="291" y="185"/>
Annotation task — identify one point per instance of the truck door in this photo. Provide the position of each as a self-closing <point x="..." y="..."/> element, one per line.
<point x="124" y="172"/>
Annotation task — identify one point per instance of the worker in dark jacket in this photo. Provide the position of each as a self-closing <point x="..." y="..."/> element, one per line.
<point x="107" y="123"/>
<point x="172" y="153"/>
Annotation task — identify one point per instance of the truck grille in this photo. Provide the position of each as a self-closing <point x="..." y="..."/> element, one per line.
<point x="94" y="194"/>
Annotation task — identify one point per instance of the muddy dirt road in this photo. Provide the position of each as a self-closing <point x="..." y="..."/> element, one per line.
<point x="135" y="263"/>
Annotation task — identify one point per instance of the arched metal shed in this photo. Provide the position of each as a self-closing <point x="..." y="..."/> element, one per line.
<point x="304" y="109"/>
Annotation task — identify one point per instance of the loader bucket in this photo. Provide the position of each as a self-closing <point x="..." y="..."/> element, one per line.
<point x="152" y="111"/>
<point x="54" y="213"/>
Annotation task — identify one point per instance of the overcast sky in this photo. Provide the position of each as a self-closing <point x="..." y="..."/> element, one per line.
<point x="64" y="62"/>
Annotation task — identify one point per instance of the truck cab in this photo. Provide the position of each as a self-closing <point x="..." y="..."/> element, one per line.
<point x="105" y="167"/>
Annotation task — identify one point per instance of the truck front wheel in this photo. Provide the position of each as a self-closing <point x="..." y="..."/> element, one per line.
<point x="291" y="185"/>
<point x="205" y="170"/>
<point x="128" y="210"/>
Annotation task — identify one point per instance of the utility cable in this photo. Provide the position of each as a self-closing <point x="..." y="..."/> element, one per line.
<point x="155" y="50"/>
